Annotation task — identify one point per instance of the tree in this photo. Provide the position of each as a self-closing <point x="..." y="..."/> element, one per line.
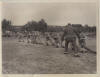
<point x="36" y="26"/>
<point x="94" y="28"/>
<point x="42" y="25"/>
<point x="86" y="28"/>
<point x="6" y="25"/>
<point x="30" y="26"/>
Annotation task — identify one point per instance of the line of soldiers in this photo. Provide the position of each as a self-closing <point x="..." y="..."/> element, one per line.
<point x="70" y="36"/>
<point x="30" y="37"/>
<point x="36" y="37"/>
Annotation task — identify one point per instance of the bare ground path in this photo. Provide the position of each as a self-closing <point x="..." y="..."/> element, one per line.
<point x="23" y="58"/>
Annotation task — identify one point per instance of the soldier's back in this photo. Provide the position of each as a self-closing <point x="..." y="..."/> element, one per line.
<point x="70" y="32"/>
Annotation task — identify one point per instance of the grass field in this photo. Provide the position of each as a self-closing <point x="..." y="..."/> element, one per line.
<point x="23" y="58"/>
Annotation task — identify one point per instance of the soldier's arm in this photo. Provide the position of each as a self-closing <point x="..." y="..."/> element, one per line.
<point x="77" y="34"/>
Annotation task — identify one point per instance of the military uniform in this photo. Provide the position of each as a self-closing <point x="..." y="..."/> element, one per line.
<point x="29" y="37"/>
<point x="56" y="39"/>
<point x="70" y="37"/>
<point x="47" y="39"/>
<point x="82" y="40"/>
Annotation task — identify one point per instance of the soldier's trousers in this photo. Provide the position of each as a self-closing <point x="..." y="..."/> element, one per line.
<point x="71" y="40"/>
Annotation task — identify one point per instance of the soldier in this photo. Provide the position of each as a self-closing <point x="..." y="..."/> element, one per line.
<point x="33" y="38"/>
<point x="47" y="39"/>
<point x="70" y="37"/>
<point x="20" y="37"/>
<point x="56" y="39"/>
<point x="29" y="37"/>
<point x="82" y="42"/>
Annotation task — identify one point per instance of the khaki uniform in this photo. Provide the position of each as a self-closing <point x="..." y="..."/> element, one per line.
<point x="57" y="40"/>
<point x="70" y="37"/>
<point x="82" y="42"/>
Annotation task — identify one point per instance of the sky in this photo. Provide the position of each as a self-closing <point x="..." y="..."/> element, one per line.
<point x="53" y="13"/>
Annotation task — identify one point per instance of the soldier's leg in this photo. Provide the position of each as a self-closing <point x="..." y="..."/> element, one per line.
<point x="33" y="40"/>
<point x="66" y="46"/>
<point x="58" y="43"/>
<point x="75" y="48"/>
<point x="28" y="39"/>
<point x="19" y="39"/>
<point x="72" y="47"/>
<point x="23" y="39"/>
<point x="82" y="45"/>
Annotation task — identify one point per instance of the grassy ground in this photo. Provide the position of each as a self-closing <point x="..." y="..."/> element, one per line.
<point x="23" y="58"/>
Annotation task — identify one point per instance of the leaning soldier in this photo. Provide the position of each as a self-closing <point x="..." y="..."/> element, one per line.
<point x="33" y="38"/>
<point x="29" y="37"/>
<point x="57" y="41"/>
<point x="20" y="37"/>
<point x="70" y="37"/>
<point x="47" y="39"/>
<point x="82" y="41"/>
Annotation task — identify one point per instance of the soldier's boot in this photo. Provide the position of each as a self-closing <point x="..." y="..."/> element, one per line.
<point x="76" y="55"/>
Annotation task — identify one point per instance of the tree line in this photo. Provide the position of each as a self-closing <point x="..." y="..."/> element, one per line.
<point x="42" y="26"/>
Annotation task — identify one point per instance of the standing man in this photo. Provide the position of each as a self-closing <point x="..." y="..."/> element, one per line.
<point x="70" y="37"/>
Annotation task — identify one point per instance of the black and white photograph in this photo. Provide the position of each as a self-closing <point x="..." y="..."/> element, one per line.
<point x="49" y="38"/>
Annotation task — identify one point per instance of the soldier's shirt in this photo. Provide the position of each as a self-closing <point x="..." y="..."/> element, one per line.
<point x="69" y="32"/>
